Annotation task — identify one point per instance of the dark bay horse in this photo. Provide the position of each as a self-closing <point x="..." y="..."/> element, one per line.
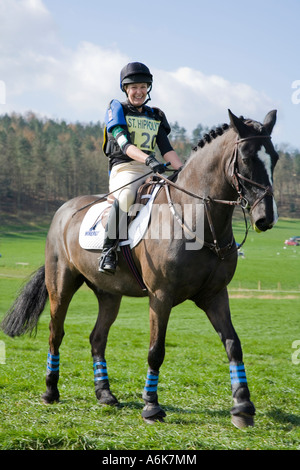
<point x="232" y="166"/>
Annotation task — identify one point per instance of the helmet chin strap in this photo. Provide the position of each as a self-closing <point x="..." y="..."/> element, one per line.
<point x="148" y="99"/>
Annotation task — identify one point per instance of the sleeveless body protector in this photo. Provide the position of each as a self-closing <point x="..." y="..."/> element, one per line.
<point x="144" y="130"/>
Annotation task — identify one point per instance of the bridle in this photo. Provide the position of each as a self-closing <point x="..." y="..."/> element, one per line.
<point x="236" y="176"/>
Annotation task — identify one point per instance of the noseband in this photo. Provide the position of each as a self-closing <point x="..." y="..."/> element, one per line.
<point x="236" y="176"/>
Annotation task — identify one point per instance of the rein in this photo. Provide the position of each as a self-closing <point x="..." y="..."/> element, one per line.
<point x="105" y="196"/>
<point x="241" y="201"/>
<point x="221" y="252"/>
<point x="215" y="247"/>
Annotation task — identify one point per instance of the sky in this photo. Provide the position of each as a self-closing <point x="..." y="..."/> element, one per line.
<point x="61" y="59"/>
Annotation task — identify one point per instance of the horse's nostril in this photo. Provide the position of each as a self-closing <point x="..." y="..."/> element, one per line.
<point x="263" y="225"/>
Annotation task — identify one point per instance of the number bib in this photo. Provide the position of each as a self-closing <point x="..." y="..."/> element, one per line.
<point x="143" y="132"/>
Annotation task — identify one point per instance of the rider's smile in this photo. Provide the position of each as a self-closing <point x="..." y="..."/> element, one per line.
<point x="137" y="93"/>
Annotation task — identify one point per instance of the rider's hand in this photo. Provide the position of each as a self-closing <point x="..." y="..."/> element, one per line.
<point x="155" y="165"/>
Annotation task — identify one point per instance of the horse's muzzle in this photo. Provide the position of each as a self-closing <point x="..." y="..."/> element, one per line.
<point x="262" y="226"/>
<point x="264" y="216"/>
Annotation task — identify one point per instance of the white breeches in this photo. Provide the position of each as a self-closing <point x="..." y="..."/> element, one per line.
<point x="126" y="173"/>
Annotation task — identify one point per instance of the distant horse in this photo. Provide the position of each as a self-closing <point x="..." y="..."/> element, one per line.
<point x="233" y="165"/>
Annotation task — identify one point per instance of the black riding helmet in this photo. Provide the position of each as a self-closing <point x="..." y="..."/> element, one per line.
<point x="136" y="72"/>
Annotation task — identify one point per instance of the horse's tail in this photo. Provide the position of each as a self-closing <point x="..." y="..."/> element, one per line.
<point x="24" y="314"/>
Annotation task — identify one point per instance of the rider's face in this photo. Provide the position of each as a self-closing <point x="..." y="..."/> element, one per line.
<point x="137" y="93"/>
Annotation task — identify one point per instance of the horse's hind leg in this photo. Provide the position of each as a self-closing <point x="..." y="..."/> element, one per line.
<point x="108" y="310"/>
<point x="219" y="314"/>
<point x="61" y="285"/>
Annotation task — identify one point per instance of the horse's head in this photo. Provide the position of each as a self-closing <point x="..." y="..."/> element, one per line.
<point x="252" y="168"/>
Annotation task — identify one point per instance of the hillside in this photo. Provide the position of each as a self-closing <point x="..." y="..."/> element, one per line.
<point x="44" y="163"/>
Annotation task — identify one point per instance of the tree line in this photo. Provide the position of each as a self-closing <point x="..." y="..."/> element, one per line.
<point x="44" y="162"/>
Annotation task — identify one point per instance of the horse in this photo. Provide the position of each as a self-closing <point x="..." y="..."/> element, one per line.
<point x="231" y="166"/>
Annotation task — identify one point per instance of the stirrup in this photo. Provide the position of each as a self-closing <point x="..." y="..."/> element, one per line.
<point x="108" y="262"/>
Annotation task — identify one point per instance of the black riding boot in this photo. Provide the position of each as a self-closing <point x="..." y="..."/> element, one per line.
<point x="109" y="259"/>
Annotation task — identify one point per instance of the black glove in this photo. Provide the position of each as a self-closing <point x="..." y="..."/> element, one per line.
<point x="155" y="165"/>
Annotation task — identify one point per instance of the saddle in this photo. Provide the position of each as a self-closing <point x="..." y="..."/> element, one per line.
<point x="92" y="230"/>
<point x="146" y="189"/>
<point x="91" y="234"/>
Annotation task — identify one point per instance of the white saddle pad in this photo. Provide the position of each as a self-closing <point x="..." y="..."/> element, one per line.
<point x="91" y="234"/>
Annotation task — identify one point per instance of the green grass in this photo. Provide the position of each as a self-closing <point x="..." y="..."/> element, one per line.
<point x="268" y="260"/>
<point x="194" y="386"/>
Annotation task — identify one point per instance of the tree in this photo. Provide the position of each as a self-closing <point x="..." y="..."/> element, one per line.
<point x="44" y="162"/>
<point x="198" y="133"/>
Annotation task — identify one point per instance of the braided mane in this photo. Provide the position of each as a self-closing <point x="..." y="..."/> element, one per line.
<point x="207" y="138"/>
<point x="214" y="133"/>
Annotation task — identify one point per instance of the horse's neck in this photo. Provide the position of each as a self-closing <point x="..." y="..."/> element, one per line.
<point x="205" y="175"/>
<point x="205" y="171"/>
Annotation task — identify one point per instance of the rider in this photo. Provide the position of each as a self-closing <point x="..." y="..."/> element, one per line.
<point x="132" y="130"/>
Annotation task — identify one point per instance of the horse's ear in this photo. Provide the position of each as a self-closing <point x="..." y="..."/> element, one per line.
<point x="238" y="125"/>
<point x="270" y="120"/>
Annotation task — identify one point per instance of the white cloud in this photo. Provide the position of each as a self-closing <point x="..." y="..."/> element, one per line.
<point x="43" y="75"/>
<point x="191" y="97"/>
<point x="25" y="24"/>
<point x="90" y="76"/>
<point x="28" y="44"/>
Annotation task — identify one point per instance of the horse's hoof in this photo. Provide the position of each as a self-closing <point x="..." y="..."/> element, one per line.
<point x="152" y="413"/>
<point x="243" y="414"/>
<point x="105" y="397"/>
<point x="154" y="419"/>
<point x="50" y="398"/>
<point x="242" y="420"/>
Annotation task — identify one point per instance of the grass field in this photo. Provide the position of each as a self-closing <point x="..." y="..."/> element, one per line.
<point x="194" y="386"/>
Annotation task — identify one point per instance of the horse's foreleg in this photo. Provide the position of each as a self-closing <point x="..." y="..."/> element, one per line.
<point x="108" y="310"/>
<point x="159" y="316"/>
<point x="219" y="314"/>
